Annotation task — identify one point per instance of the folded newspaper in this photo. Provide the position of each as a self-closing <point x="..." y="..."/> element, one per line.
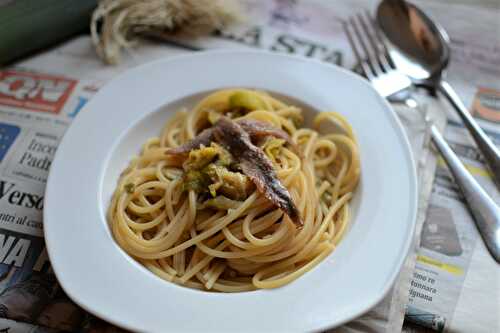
<point x="40" y="97"/>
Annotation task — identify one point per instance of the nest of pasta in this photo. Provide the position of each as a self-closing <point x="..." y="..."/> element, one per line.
<point x="236" y="194"/>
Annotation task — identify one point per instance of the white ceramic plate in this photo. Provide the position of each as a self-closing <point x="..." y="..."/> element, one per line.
<point x="104" y="280"/>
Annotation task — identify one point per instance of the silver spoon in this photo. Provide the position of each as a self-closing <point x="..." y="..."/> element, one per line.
<point x="423" y="54"/>
<point x="485" y="211"/>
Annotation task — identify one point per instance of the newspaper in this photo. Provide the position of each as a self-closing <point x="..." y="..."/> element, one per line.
<point x="40" y="96"/>
<point x="456" y="284"/>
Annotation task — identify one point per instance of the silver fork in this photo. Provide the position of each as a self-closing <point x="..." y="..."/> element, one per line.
<point x="373" y="57"/>
<point x="377" y="67"/>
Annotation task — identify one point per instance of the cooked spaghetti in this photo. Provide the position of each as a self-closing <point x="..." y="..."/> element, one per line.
<point x="235" y="195"/>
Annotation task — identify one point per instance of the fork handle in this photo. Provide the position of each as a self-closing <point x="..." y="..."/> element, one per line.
<point x="484" y="210"/>
<point x="490" y="152"/>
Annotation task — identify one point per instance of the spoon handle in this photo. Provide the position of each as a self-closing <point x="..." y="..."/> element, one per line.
<point x="490" y="152"/>
<point x="484" y="210"/>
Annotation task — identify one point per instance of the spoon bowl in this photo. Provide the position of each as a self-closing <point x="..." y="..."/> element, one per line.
<point x="423" y="51"/>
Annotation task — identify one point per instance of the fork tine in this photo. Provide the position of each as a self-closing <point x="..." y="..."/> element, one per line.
<point x="369" y="58"/>
<point x="379" y="55"/>
<point x="364" y="67"/>
<point x="385" y="50"/>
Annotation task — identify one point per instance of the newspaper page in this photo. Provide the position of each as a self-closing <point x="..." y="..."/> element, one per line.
<point x="35" y="110"/>
<point x="40" y="96"/>
<point x="440" y="299"/>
